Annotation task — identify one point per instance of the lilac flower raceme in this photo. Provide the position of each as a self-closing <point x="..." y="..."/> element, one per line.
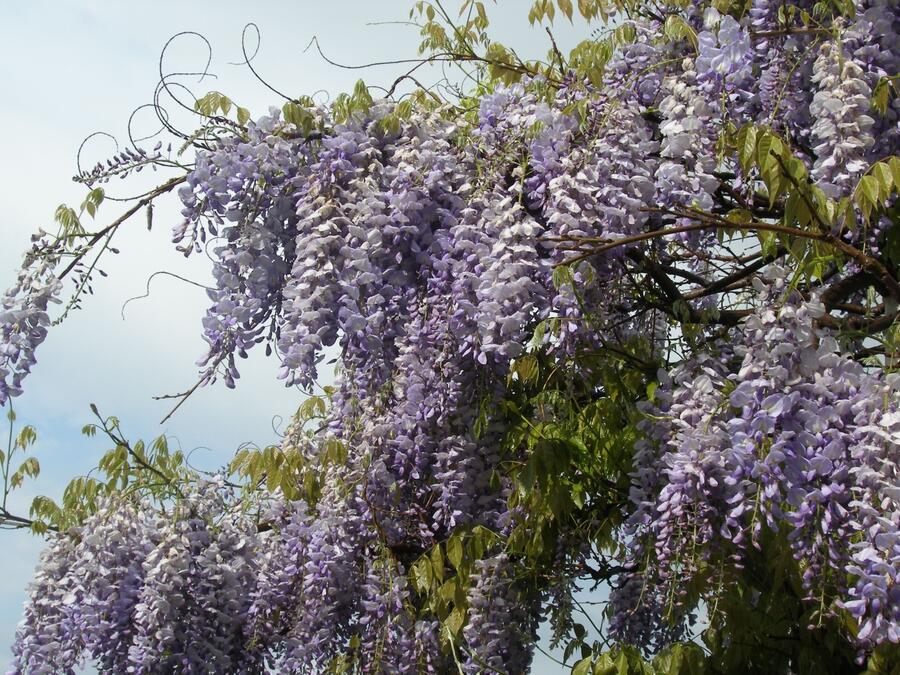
<point x="723" y="52"/>
<point x="804" y="440"/>
<point x="843" y="127"/>
<point x="24" y="318"/>
<point x="47" y="641"/>
<point x="501" y="624"/>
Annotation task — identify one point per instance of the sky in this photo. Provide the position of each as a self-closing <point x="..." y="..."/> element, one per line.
<point x="72" y="67"/>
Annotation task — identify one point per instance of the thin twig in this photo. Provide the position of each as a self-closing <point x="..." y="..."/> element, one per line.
<point x="183" y="397"/>
<point x="153" y="194"/>
<point x="556" y="52"/>
<point x="711" y="222"/>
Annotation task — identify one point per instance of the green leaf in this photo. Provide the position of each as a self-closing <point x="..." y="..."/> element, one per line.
<point x="562" y="276"/>
<point x="27" y="436"/>
<point x="455" y="551"/>
<point x="299" y="116"/>
<point x="421" y="574"/>
<point x="882" y="172"/>
<point x="680" y="659"/>
<point x="869" y="186"/>
<point x="769" y="151"/>
<point x="210" y="104"/>
<point x="587" y="9"/>
<point x="739" y="216"/>
<point x="30" y="468"/>
<point x="449" y="590"/>
<point x="527" y="368"/>
<point x="676" y="28"/>
<point x="605" y="666"/>
<point x="894" y="165"/>
<point x="768" y="146"/>
<point x="796" y="169"/>
<point x="455" y="621"/>
<point x="437" y="564"/>
<point x="311" y="408"/>
<point x="583" y="667"/>
<point x="539" y="331"/>
<point x="880" y="95"/>
<point x="866" y="195"/>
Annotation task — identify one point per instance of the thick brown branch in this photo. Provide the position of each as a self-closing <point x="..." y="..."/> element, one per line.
<point x="12" y="521"/>
<point x="727" y="317"/>
<point x="844" y="288"/>
<point x="763" y="34"/>
<point x="726" y="282"/>
<point x="712" y="222"/>
<point x="860" y="324"/>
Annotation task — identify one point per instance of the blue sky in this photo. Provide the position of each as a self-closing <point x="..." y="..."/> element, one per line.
<point x="72" y="67"/>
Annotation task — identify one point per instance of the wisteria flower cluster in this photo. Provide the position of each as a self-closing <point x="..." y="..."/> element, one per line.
<point x="797" y="436"/>
<point x="24" y="317"/>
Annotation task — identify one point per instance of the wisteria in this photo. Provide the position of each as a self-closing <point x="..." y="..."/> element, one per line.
<point x="500" y="620"/>
<point x="24" y="316"/>
<point x="696" y="207"/>
<point x="798" y="436"/>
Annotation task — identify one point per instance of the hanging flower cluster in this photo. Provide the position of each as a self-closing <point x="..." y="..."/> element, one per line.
<point x="797" y="436"/>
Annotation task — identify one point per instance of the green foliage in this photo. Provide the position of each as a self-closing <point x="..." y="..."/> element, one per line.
<point x="589" y="10"/>
<point x="569" y="437"/>
<point x="93" y="200"/>
<point x="357" y="103"/>
<point x="215" y="104"/>
<point x="763" y="153"/>
<point x="295" y="470"/>
<point x="885" y="91"/>
<point x="392" y="122"/>
<point x="15" y="469"/>
<point x="589" y="57"/>
<point x="153" y="472"/>
<point x="808" y="218"/>
<point x="442" y="575"/>
<point x="683" y="658"/>
<point x="69" y="220"/>
<point x="760" y="622"/>
<point x="443" y="35"/>
<point x="676" y="28"/>
<point x="464" y="42"/>
<point x="876" y="189"/>
<point x="29" y="468"/>
<point x="885" y="660"/>
<point x="301" y="116"/>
